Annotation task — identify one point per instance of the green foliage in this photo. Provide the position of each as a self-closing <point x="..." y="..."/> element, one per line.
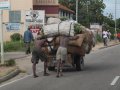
<point x="109" y="21"/>
<point x="10" y="62"/>
<point x="118" y="23"/>
<point x="64" y="2"/>
<point x="16" y="37"/>
<point x="99" y="38"/>
<point x="118" y="30"/>
<point x="77" y="28"/>
<point x="14" y="46"/>
<point x="89" y="11"/>
<point x="112" y="31"/>
<point x="63" y="18"/>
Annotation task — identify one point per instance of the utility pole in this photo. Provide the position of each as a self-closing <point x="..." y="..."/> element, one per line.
<point x="1" y="38"/>
<point x="88" y="24"/>
<point x="4" y="6"/>
<point x="77" y="11"/>
<point x="115" y="20"/>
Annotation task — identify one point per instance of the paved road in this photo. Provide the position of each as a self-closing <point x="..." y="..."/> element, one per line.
<point x="102" y="70"/>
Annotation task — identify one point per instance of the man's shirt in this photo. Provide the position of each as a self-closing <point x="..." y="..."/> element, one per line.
<point x="28" y="36"/>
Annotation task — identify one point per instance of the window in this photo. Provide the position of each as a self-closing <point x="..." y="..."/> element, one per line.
<point x="14" y="16"/>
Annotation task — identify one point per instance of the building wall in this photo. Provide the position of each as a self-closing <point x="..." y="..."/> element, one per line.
<point x="48" y="9"/>
<point x="45" y="2"/>
<point x="51" y="7"/>
<point x="21" y="5"/>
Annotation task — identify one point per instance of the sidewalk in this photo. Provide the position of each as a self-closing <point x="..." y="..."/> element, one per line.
<point x="23" y="61"/>
<point x="25" y="64"/>
<point x="101" y="45"/>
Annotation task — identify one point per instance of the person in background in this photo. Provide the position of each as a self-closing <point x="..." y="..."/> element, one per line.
<point x="105" y="37"/>
<point x="61" y="55"/>
<point x="28" y="37"/>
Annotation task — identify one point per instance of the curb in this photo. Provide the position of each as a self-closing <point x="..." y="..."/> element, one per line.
<point x="103" y="47"/>
<point x="10" y="75"/>
<point x="109" y="46"/>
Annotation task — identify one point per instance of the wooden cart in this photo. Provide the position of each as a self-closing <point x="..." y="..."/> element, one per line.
<point x="76" y="54"/>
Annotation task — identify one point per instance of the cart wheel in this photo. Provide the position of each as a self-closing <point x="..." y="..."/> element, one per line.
<point x="51" y="68"/>
<point x="79" y="63"/>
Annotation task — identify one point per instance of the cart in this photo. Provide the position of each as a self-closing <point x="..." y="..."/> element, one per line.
<point x="76" y="53"/>
<point x="75" y="56"/>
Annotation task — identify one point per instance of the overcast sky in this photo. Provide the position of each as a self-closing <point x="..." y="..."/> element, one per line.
<point x="110" y="8"/>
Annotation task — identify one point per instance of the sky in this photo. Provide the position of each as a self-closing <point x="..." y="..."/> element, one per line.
<point x="110" y="8"/>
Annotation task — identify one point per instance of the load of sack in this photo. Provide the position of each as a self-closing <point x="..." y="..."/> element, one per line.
<point x="80" y="46"/>
<point x="62" y="28"/>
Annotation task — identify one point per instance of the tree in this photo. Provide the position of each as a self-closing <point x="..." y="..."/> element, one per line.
<point x="95" y="9"/>
<point x="90" y="11"/>
<point x="64" y="2"/>
<point x="118" y="23"/>
<point x="109" y="21"/>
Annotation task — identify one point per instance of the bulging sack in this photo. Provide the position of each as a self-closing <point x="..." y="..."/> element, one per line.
<point x="76" y="50"/>
<point x="63" y="28"/>
<point x="53" y="20"/>
<point x="77" y="42"/>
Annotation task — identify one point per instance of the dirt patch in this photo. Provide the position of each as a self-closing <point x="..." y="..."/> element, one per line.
<point x="6" y="70"/>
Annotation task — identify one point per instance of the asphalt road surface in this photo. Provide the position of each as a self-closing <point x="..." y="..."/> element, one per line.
<point x="102" y="72"/>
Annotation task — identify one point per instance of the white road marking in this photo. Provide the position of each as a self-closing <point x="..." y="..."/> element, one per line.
<point x="115" y="80"/>
<point x="19" y="79"/>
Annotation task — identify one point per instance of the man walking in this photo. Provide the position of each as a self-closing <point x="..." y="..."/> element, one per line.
<point x="28" y="37"/>
<point x="105" y="37"/>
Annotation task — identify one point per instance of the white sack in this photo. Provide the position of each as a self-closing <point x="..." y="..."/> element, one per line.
<point x="53" y="20"/>
<point x="65" y="28"/>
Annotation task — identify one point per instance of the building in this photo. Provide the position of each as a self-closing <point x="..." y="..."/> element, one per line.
<point x="14" y="19"/>
<point x="53" y="8"/>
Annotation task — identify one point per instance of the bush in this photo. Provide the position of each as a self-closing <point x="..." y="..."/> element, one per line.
<point x="16" y="37"/>
<point x="10" y="62"/>
<point x="99" y="38"/>
<point x="112" y="31"/>
<point x="14" y="46"/>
